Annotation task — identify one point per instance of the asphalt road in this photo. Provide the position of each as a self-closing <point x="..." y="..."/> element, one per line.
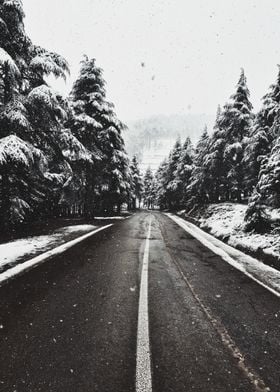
<point x="70" y="325"/>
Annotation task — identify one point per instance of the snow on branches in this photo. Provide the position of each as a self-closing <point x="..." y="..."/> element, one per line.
<point x="6" y="59"/>
<point x="47" y="63"/>
<point x="14" y="5"/>
<point x="15" y="151"/>
<point x="72" y="148"/>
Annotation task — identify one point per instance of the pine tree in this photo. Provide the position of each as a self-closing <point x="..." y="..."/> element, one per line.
<point x="268" y="185"/>
<point x="149" y="189"/>
<point x="270" y="107"/>
<point x="201" y="148"/>
<point x="30" y="110"/>
<point x="257" y="147"/>
<point x="172" y="189"/>
<point x="19" y="162"/>
<point x="73" y="194"/>
<point x="183" y="172"/>
<point x="224" y="160"/>
<point x="213" y="162"/>
<point x="137" y="182"/>
<point x="237" y="116"/>
<point x="236" y="121"/>
<point x="196" y="191"/>
<point x="14" y="49"/>
<point x="262" y="161"/>
<point x="256" y="218"/>
<point x="96" y="126"/>
<point x="161" y="182"/>
<point x="262" y="135"/>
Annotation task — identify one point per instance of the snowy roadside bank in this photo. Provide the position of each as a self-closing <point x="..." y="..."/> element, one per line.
<point x="18" y="251"/>
<point x="264" y="275"/>
<point x="225" y="222"/>
<point x="26" y="266"/>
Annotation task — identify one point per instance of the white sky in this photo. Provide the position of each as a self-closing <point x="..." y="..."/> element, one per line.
<point x="192" y="49"/>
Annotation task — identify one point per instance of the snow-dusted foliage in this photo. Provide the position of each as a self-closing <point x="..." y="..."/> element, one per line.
<point x="48" y="63"/>
<point x="235" y="120"/>
<point x="83" y="120"/>
<point x="46" y="99"/>
<point x="31" y="116"/>
<point x="256" y="217"/>
<point x="6" y="60"/>
<point x="269" y="178"/>
<point x="161" y="182"/>
<point x="72" y="149"/>
<point x="57" y="155"/>
<point x="15" y="151"/>
<point x="198" y="184"/>
<point x="19" y="210"/>
<point x="20" y="166"/>
<point x="263" y="162"/>
<point x="169" y="178"/>
<point x="263" y="134"/>
<point x="221" y="169"/>
<point x="149" y="189"/>
<point x="172" y="189"/>
<point x="94" y="123"/>
<point x="239" y="161"/>
<point x="14" y="5"/>
<point x="136" y="183"/>
<point x="14" y="117"/>
<point x="184" y="170"/>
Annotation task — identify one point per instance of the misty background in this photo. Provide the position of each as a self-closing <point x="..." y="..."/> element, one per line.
<point x="168" y="64"/>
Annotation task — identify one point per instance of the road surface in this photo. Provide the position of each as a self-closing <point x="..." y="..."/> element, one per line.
<point x="76" y="324"/>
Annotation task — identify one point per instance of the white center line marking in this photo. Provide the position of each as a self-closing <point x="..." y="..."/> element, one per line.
<point x="143" y="358"/>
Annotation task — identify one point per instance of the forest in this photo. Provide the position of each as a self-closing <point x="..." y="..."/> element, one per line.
<point x="59" y="156"/>
<point x="65" y="156"/>
<point x="238" y="162"/>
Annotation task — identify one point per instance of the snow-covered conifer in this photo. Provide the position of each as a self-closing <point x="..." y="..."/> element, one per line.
<point x="95" y="125"/>
<point x="263" y="134"/>
<point x="136" y="182"/>
<point x="198" y="186"/>
<point x="148" y="189"/>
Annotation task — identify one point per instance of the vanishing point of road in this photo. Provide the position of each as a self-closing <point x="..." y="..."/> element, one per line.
<point x="141" y="306"/>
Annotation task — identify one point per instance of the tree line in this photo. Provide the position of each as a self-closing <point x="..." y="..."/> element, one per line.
<point x="58" y="156"/>
<point x="238" y="162"/>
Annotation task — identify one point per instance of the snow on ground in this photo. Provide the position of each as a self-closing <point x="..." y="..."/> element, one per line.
<point x="265" y="275"/>
<point x="226" y="221"/>
<point x="110" y="217"/>
<point x="76" y="228"/>
<point x="20" y="250"/>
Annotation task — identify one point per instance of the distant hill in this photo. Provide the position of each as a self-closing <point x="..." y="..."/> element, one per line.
<point x="152" y="138"/>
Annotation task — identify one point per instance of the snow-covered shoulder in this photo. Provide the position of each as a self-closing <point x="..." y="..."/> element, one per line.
<point x="263" y="274"/>
<point x="226" y="221"/>
<point x="18" y="251"/>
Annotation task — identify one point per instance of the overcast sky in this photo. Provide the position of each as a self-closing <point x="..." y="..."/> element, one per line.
<point x="164" y="56"/>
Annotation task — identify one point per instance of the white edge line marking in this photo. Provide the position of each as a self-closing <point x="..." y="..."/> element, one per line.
<point x="195" y="232"/>
<point x="143" y="357"/>
<point x="34" y="262"/>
